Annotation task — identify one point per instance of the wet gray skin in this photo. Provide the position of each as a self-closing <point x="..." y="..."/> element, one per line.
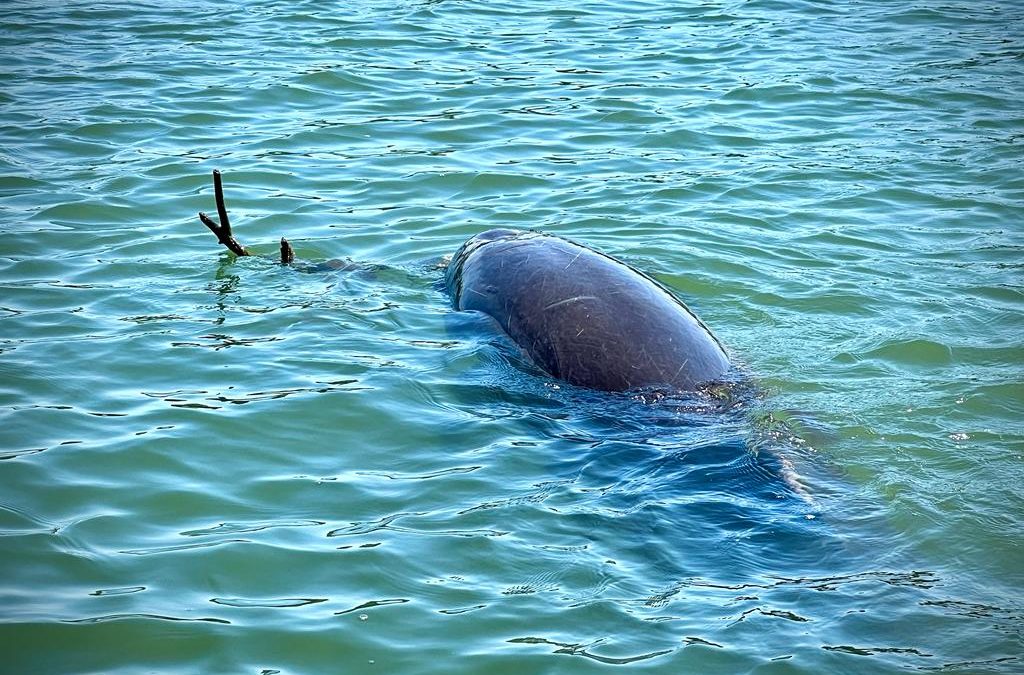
<point x="582" y="316"/>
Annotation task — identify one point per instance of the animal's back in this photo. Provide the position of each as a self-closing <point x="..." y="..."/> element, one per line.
<point x="582" y="316"/>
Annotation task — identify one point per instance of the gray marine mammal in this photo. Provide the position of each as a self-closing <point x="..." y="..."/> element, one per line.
<point x="583" y="316"/>
<point x="580" y="315"/>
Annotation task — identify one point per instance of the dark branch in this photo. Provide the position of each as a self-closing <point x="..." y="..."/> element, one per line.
<point x="223" y="229"/>
<point x="218" y="194"/>
<point x="222" y="236"/>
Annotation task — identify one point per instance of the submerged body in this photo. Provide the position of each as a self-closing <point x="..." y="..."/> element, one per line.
<point x="582" y="316"/>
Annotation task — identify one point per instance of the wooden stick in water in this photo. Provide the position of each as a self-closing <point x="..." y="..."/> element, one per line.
<point x="223" y="229"/>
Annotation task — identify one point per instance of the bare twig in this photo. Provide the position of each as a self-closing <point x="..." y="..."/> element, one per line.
<point x="218" y="194"/>
<point x="223" y="229"/>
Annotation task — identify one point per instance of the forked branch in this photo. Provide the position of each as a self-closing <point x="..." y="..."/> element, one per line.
<point x="222" y="229"/>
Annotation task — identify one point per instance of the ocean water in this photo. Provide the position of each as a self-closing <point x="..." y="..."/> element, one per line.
<point x="221" y="465"/>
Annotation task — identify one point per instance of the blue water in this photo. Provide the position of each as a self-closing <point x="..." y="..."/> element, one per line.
<point x="222" y="465"/>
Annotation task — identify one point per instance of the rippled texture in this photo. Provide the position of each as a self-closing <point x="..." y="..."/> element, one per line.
<point x="221" y="465"/>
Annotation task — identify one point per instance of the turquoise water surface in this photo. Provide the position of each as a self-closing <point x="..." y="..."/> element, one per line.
<point x="221" y="465"/>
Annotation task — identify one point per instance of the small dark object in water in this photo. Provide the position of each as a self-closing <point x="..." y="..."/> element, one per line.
<point x="287" y="254"/>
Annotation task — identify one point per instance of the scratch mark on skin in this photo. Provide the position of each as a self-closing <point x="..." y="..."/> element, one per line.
<point x="573" y="260"/>
<point x="681" y="366"/>
<point x="568" y="300"/>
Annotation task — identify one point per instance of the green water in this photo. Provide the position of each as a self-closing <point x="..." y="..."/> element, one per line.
<point x="219" y="465"/>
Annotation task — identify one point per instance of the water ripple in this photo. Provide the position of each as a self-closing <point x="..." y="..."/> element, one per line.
<point x="124" y="617"/>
